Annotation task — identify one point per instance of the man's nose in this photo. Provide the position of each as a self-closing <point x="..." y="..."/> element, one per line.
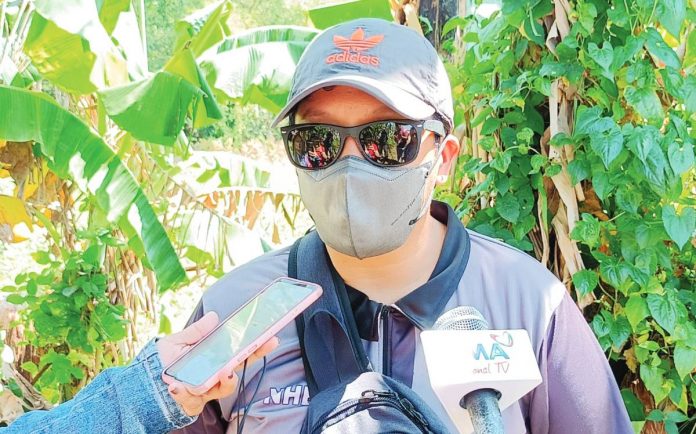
<point x="351" y="147"/>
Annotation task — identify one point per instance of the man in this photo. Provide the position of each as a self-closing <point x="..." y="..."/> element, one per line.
<point x="405" y="139"/>
<point x="404" y="258"/>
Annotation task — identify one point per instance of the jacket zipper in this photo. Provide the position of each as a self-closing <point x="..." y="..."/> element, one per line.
<point x="385" y="346"/>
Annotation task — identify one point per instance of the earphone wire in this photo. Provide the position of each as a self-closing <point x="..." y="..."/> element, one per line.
<point x="240" y="428"/>
<point x="240" y="396"/>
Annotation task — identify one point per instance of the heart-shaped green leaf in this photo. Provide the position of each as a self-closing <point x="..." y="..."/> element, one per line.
<point x="680" y="228"/>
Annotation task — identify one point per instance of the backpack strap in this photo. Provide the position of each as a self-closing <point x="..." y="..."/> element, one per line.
<point x="332" y="352"/>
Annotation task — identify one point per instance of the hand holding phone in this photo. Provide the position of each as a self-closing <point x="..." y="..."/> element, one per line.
<point x="241" y="333"/>
<point x="173" y="346"/>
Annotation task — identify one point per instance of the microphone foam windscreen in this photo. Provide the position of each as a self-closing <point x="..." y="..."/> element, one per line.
<point x="461" y="318"/>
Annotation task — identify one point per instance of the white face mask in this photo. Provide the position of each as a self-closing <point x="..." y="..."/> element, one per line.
<point x="363" y="210"/>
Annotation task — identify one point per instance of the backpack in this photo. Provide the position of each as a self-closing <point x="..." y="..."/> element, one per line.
<point x="346" y="395"/>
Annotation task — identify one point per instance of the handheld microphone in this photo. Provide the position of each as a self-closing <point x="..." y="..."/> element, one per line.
<point x="480" y="370"/>
<point x="482" y="404"/>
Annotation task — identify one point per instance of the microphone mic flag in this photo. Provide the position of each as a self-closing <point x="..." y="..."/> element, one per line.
<point x="480" y="370"/>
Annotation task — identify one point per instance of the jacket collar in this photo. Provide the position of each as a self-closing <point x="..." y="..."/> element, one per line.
<point x="424" y="305"/>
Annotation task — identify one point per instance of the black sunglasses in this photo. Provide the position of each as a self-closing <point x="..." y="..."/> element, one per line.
<point x="389" y="143"/>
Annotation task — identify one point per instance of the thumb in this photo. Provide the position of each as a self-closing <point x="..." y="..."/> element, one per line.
<point x="193" y="333"/>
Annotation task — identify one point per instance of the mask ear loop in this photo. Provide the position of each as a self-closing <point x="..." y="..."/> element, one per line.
<point x="426" y="204"/>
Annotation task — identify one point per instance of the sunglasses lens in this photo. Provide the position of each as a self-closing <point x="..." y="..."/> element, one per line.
<point x="313" y="146"/>
<point x="390" y="143"/>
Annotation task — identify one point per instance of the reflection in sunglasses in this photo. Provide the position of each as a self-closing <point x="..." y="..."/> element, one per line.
<point x="385" y="143"/>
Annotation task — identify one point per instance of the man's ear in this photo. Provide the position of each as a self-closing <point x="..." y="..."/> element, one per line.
<point x="449" y="156"/>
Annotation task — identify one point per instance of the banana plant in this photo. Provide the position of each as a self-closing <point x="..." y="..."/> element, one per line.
<point x="204" y="28"/>
<point x="148" y="107"/>
<point x="83" y="45"/>
<point x="155" y="108"/>
<point x="225" y="209"/>
<point x="326" y="16"/>
<point x="75" y="152"/>
<point x="107" y="140"/>
<point x="256" y="66"/>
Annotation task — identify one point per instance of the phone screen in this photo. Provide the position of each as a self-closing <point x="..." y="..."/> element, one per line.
<point x="239" y="331"/>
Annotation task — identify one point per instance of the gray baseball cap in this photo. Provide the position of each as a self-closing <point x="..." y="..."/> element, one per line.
<point x="391" y="62"/>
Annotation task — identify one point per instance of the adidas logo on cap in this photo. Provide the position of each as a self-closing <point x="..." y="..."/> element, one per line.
<point x="353" y="48"/>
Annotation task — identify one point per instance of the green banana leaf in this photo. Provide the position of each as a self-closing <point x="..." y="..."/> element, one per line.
<point x="154" y="109"/>
<point x="259" y="35"/>
<point x="204" y="28"/>
<point x="326" y="16"/>
<point x="257" y="66"/>
<point x="73" y="151"/>
<point x="70" y="45"/>
<point x="110" y="13"/>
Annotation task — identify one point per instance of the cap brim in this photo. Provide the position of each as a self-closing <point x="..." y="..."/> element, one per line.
<point x="397" y="99"/>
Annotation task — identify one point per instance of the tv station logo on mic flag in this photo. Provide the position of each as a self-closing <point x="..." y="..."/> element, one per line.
<point x="493" y="351"/>
<point x="496" y="348"/>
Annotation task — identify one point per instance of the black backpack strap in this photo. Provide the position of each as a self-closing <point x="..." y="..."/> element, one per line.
<point x="332" y="352"/>
<point x="299" y="321"/>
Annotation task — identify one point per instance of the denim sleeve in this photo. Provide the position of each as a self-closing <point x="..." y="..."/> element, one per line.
<point x="210" y="421"/>
<point x="579" y="394"/>
<point x="128" y="400"/>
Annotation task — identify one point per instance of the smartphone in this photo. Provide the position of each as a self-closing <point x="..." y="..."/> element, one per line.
<point x="241" y="333"/>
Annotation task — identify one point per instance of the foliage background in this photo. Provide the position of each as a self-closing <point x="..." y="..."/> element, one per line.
<point x="577" y="124"/>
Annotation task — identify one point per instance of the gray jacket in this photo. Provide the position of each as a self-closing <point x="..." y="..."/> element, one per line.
<point x="510" y="288"/>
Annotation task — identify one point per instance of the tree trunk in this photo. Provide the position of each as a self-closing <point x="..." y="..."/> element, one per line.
<point x="438" y="12"/>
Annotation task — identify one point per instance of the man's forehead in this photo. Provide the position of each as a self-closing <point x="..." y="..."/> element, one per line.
<point x="341" y="101"/>
<point x="314" y="110"/>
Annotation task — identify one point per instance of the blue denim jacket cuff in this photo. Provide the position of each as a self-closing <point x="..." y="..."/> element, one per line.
<point x="171" y="409"/>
